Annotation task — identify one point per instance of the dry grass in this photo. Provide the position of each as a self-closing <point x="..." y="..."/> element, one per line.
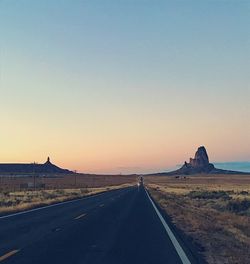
<point x="14" y="201"/>
<point x="210" y="210"/>
<point x="60" y="181"/>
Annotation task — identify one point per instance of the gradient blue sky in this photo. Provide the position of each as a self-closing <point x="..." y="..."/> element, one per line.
<point x="124" y="86"/>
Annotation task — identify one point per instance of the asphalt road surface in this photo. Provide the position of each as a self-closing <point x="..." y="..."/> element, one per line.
<point x="116" y="227"/>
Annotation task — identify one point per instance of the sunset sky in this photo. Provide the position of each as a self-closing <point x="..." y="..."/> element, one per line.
<point x="122" y="86"/>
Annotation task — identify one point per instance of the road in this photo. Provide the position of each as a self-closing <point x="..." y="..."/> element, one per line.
<point x="116" y="227"/>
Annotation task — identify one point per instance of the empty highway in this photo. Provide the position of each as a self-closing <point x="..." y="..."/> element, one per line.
<point x="116" y="227"/>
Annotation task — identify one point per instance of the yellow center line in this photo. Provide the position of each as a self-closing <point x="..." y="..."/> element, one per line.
<point x="80" y="216"/>
<point x="7" y="255"/>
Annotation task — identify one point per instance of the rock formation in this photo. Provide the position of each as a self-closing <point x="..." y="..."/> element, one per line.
<point x="47" y="167"/>
<point x="201" y="158"/>
<point x="198" y="164"/>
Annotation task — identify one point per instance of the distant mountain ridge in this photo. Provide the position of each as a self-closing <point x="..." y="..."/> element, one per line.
<point x="243" y="166"/>
<point x="47" y="167"/>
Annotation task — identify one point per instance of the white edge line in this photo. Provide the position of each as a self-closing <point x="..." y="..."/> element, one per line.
<point x="48" y="206"/>
<point x="174" y="241"/>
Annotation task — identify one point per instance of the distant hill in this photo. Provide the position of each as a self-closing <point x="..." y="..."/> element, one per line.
<point x="243" y="166"/>
<point x="47" y="167"/>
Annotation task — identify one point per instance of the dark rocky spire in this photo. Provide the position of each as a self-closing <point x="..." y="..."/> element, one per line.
<point x="200" y="163"/>
<point x="48" y="162"/>
<point x="200" y="159"/>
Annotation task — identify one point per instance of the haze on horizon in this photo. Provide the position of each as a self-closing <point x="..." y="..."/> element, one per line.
<point x="124" y="86"/>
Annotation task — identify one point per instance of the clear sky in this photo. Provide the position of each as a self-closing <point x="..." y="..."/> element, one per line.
<point x="124" y="85"/>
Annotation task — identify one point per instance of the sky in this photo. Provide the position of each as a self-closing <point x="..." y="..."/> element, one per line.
<point x="124" y="86"/>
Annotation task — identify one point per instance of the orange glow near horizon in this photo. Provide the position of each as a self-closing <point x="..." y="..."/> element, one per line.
<point x="130" y="142"/>
<point x="119" y="87"/>
<point x="138" y="150"/>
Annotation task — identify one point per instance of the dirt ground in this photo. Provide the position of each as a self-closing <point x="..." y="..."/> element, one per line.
<point x="213" y="210"/>
<point x="20" y="192"/>
<point x="59" y="181"/>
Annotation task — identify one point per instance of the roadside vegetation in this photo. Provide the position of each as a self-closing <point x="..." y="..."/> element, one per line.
<point x="23" y="200"/>
<point x="25" y="191"/>
<point x="213" y="211"/>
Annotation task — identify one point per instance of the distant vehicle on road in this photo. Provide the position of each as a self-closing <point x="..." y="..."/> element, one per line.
<point x="140" y="181"/>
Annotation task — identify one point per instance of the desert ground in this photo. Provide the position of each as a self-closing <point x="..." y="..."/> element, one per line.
<point x="19" y="182"/>
<point x="213" y="211"/>
<point x="22" y="192"/>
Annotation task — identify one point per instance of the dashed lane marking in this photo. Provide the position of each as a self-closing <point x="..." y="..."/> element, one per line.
<point x="9" y="254"/>
<point x="79" y="216"/>
<point x="52" y="205"/>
